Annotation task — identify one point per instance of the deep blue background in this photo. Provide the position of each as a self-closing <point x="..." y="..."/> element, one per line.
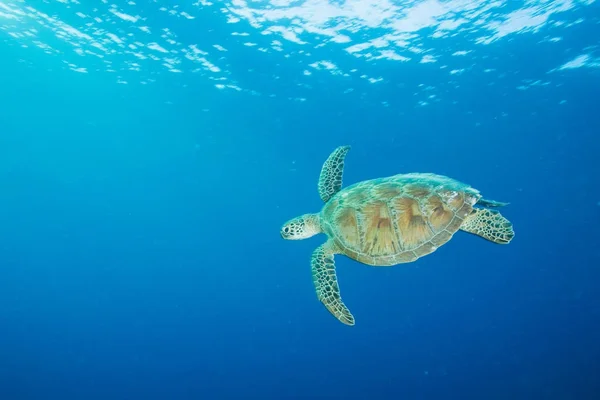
<point x="140" y="255"/>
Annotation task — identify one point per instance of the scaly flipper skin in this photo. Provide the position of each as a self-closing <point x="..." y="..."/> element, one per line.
<point x="490" y="225"/>
<point x="330" y="180"/>
<point x="326" y="284"/>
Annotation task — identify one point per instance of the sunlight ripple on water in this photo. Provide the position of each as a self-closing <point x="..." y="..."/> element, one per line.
<point x="119" y="39"/>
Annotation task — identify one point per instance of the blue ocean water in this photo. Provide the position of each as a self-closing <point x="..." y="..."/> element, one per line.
<point x="151" y="150"/>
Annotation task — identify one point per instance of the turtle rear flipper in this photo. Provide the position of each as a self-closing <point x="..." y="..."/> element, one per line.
<point x="490" y="225"/>
<point x="326" y="284"/>
<point x="330" y="180"/>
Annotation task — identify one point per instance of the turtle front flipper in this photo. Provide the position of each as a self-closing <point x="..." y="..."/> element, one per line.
<point x="326" y="284"/>
<point x="490" y="225"/>
<point x="330" y="180"/>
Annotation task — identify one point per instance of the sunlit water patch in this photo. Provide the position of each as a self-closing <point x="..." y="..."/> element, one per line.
<point x="104" y="37"/>
<point x="227" y="42"/>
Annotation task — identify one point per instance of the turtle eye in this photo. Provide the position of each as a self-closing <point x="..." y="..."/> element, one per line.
<point x="286" y="229"/>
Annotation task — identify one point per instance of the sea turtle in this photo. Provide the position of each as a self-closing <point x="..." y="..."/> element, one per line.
<point x="388" y="221"/>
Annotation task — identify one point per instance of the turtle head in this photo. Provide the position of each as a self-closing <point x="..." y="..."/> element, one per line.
<point x="301" y="227"/>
